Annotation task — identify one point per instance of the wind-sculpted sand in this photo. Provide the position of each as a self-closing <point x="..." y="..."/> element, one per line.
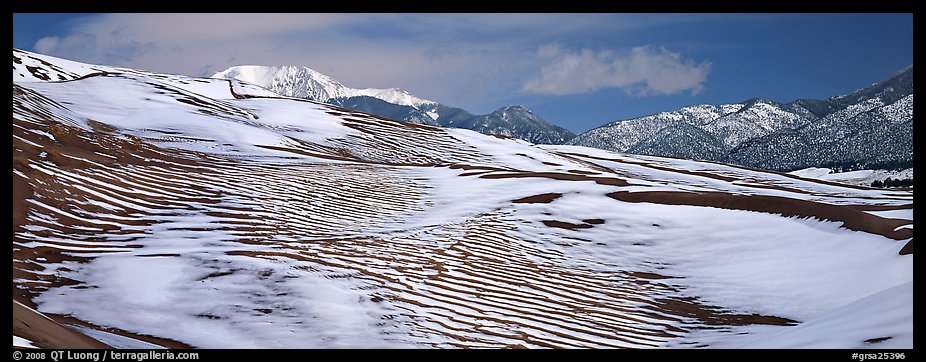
<point x="206" y="213"/>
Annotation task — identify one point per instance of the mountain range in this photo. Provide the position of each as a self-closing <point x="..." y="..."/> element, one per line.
<point x="160" y="210"/>
<point x="869" y="128"/>
<point x="303" y="82"/>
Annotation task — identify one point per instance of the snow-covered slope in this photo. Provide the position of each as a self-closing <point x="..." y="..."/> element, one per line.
<point x="858" y="177"/>
<point x="884" y="311"/>
<point x="199" y="212"/>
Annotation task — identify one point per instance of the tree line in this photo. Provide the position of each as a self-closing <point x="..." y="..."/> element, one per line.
<point x="889" y="182"/>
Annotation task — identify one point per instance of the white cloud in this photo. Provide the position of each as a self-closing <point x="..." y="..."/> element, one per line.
<point x="643" y="71"/>
<point x="47" y="44"/>
<point x="548" y="51"/>
<point x="152" y="41"/>
<point x="360" y="50"/>
<point x="468" y="60"/>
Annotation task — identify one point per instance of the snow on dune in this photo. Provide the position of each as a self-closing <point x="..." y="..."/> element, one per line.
<point x="32" y="67"/>
<point x="115" y="340"/>
<point x="884" y="314"/>
<point x="858" y="177"/>
<point x="146" y="109"/>
<point x="22" y="342"/>
<point x="812" y="172"/>
<point x="212" y="213"/>
<point x="165" y="292"/>
<point x="880" y="320"/>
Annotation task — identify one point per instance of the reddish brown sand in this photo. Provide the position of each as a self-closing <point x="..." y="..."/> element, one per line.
<point x="538" y="199"/>
<point x="49" y="331"/>
<point x="46" y="333"/>
<point x="851" y="218"/>
<point x="566" y="225"/>
<point x="907" y="249"/>
<point x="612" y="181"/>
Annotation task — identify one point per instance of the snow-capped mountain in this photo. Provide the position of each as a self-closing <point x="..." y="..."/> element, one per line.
<point x="303" y="82"/>
<point x="870" y="128"/>
<point x="162" y="210"/>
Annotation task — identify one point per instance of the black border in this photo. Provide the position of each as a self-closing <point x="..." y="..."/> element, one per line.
<point x="416" y="6"/>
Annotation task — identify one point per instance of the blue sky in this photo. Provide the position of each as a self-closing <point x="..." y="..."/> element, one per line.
<point x="576" y="70"/>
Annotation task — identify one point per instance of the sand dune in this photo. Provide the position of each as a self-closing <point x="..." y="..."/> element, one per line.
<point x="46" y="333"/>
<point x="206" y="213"/>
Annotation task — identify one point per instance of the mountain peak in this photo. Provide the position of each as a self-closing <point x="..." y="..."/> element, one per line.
<point x="754" y="101"/>
<point x="868" y="128"/>
<point x="258" y="74"/>
<point x="514" y="108"/>
<point x="515" y="112"/>
<point x="304" y="82"/>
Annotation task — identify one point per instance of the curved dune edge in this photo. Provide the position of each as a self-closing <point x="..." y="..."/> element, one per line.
<point x="584" y="158"/>
<point x="907" y="249"/>
<point x="46" y="333"/>
<point x="52" y="331"/>
<point x="851" y="218"/>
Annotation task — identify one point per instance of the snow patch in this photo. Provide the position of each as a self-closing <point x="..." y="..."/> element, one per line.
<point x="883" y="319"/>
<point x="22" y="342"/>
